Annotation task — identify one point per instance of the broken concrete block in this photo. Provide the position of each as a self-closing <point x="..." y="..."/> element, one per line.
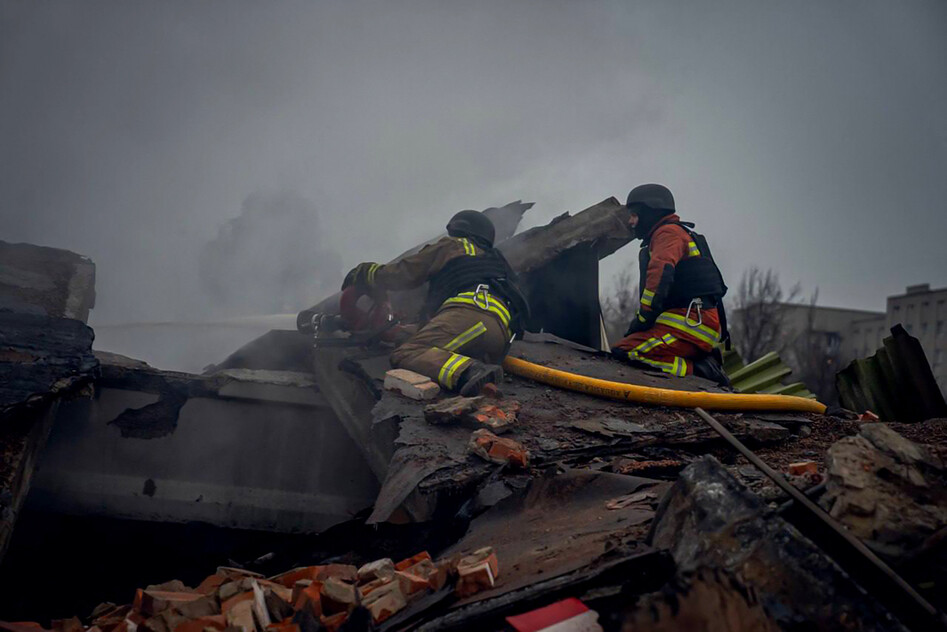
<point x="500" y="450"/>
<point x="476" y="572"/>
<point x="889" y="491"/>
<point x="338" y="596"/>
<point x="385" y="601"/>
<point x="709" y="519"/>
<point x="803" y="467"/>
<point x="379" y="569"/>
<point x="411" y="384"/>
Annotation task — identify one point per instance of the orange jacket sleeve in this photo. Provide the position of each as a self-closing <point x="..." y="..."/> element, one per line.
<point x="668" y="247"/>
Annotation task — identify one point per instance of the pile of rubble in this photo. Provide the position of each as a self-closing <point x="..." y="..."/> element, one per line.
<point x="304" y="599"/>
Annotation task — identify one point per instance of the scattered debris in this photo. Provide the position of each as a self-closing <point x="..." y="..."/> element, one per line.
<point x="709" y="520"/>
<point x="477" y="571"/>
<point x="496" y="415"/>
<point x="631" y="499"/>
<point x="496" y="449"/>
<point x="888" y="491"/>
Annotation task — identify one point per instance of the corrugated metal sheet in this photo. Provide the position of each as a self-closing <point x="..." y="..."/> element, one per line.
<point x="896" y="383"/>
<point x="764" y="375"/>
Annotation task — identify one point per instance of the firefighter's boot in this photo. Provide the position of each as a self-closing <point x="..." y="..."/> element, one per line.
<point x="710" y="366"/>
<point x="476" y="376"/>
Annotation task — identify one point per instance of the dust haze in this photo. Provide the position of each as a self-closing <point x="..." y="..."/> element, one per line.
<point x="237" y="157"/>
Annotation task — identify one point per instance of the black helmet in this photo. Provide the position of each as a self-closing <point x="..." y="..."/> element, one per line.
<point x="472" y="224"/>
<point x="654" y="196"/>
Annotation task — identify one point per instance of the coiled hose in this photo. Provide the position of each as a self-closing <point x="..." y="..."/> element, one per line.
<point x="658" y="396"/>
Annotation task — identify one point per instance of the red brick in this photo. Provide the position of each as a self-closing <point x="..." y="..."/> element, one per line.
<point x="803" y="467"/>
<point x="477" y="571"/>
<point x="490" y="447"/>
<point x="211" y="583"/>
<point x="345" y="572"/>
<point x="241" y="616"/>
<point x="151" y="602"/>
<point x="310" y="598"/>
<point x="334" y="622"/>
<point x="379" y="569"/>
<point x="411" y="561"/>
<point x="411" y="585"/>
<point x="68" y="625"/>
<point x="217" y="622"/>
<point x="289" y="578"/>
<point x="228" y="605"/>
<point x="385" y="602"/>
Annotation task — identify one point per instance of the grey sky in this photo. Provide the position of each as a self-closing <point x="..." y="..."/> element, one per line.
<point x="807" y="136"/>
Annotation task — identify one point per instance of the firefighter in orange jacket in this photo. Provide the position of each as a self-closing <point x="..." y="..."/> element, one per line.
<point x="681" y="319"/>
<point x="474" y="305"/>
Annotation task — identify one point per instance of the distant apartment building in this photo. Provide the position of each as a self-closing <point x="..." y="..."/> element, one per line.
<point x="923" y="312"/>
<point x="846" y="334"/>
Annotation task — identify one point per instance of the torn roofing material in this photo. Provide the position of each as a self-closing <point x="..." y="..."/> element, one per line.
<point x="896" y="383"/>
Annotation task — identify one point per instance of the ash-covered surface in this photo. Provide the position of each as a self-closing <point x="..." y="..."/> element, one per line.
<point x="556" y="427"/>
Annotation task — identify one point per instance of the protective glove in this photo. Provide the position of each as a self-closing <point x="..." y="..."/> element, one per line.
<point x="360" y="275"/>
<point x="636" y="325"/>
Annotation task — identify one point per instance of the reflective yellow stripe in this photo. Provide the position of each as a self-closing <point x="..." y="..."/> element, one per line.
<point x="468" y="247"/>
<point x="448" y="371"/>
<point x="371" y="273"/>
<point x="468" y="336"/>
<point x="646" y="346"/>
<point x="641" y="318"/>
<point x="646" y="300"/>
<point x="678" y="367"/>
<point x="692" y="249"/>
<point x="494" y="305"/>
<point x="668" y="339"/>
<point x="701" y="332"/>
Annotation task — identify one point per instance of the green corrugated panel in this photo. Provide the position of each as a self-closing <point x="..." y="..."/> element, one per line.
<point x="732" y="362"/>
<point x="762" y="379"/>
<point x="768" y="361"/>
<point x="796" y="389"/>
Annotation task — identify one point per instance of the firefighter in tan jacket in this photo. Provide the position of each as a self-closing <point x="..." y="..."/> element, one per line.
<point x="473" y="303"/>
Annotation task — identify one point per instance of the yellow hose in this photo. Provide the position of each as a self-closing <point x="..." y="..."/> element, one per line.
<point x="658" y="396"/>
